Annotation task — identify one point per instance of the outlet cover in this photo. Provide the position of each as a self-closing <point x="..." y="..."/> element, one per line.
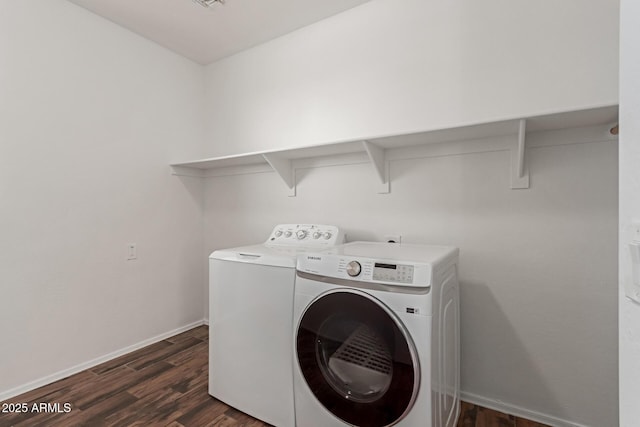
<point x="393" y="238"/>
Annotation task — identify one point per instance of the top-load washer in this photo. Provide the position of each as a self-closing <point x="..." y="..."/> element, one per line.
<point x="376" y="335"/>
<point x="250" y="315"/>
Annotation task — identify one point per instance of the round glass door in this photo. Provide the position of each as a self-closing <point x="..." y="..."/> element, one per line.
<point x="357" y="359"/>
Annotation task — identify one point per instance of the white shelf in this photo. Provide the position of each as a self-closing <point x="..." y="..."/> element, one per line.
<point x="380" y="151"/>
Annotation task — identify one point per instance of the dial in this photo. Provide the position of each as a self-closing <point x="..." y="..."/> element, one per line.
<point x="354" y="268"/>
<point x="278" y="233"/>
<point x="301" y="234"/>
<point x="327" y="235"/>
<point x="288" y="233"/>
<point x="317" y="235"/>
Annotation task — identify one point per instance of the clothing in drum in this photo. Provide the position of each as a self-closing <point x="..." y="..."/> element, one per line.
<point x="357" y="358"/>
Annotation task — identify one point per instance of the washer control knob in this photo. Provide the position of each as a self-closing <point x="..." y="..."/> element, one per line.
<point x="354" y="268"/>
<point x="301" y="234"/>
<point x="327" y="235"/>
<point x="317" y="235"/>
<point x="278" y="233"/>
<point x="287" y="233"/>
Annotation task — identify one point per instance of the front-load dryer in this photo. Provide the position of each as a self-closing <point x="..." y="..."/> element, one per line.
<point x="376" y="336"/>
<point x="250" y="316"/>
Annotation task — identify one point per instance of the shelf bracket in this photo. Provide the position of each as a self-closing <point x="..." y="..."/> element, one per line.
<point x="380" y="163"/>
<point x="284" y="168"/>
<point x="519" y="170"/>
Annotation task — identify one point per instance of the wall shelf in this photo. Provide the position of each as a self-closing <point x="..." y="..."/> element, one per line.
<point x="511" y="135"/>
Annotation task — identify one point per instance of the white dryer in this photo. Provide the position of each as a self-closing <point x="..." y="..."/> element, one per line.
<point x="250" y="315"/>
<point x="376" y="335"/>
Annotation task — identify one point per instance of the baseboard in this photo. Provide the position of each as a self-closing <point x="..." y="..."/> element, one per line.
<point x="91" y="363"/>
<point x="205" y="322"/>
<point x="507" y="408"/>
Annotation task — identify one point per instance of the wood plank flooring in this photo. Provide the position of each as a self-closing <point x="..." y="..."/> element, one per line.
<point x="477" y="416"/>
<point x="164" y="384"/>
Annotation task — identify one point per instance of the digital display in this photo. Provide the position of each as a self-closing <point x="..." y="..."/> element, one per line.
<point x="389" y="266"/>
<point x="398" y="273"/>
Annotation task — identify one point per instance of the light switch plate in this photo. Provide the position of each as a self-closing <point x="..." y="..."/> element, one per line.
<point x="132" y="251"/>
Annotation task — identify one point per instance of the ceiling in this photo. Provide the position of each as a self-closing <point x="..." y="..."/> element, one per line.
<point x="208" y="34"/>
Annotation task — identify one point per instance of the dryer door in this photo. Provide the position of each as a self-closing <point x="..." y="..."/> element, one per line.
<point x="357" y="358"/>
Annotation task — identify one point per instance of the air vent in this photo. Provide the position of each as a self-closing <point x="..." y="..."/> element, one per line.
<point x="208" y="3"/>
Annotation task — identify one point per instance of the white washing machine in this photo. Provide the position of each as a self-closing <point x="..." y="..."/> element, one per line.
<point x="250" y="315"/>
<point x="376" y="334"/>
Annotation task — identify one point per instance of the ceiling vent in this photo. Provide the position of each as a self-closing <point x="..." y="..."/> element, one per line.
<point x="207" y="3"/>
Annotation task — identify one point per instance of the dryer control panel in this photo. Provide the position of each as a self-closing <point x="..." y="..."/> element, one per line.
<point x="361" y="269"/>
<point x="386" y="272"/>
<point x="306" y="235"/>
<point x="407" y="265"/>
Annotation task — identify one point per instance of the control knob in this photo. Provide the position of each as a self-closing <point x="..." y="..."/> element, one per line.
<point x="301" y="234"/>
<point x="327" y="235"/>
<point x="354" y="268"/>
<point x="287" y="233"/>
<point x="278" y="233"/>
<point x="317" y="235"/>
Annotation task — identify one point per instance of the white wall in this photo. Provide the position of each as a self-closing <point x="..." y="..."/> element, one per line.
<point x="629" y="208"/>
<point x="539" y="298"/>
<point x="399" y="66"/>
<point x="90" y="117"/>
<point x="537" y="267"/>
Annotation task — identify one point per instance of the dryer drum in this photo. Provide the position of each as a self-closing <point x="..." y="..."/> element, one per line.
<point x="357" y="359"/>
<point x="362" y="365"/>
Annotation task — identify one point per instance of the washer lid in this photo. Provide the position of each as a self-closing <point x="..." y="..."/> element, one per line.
<point x="264" y="254"/>
<point x="259" y="254"/>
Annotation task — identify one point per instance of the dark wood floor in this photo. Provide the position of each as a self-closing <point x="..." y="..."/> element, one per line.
<point x="477" y="416"/>
<point x="164" y="384"/>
